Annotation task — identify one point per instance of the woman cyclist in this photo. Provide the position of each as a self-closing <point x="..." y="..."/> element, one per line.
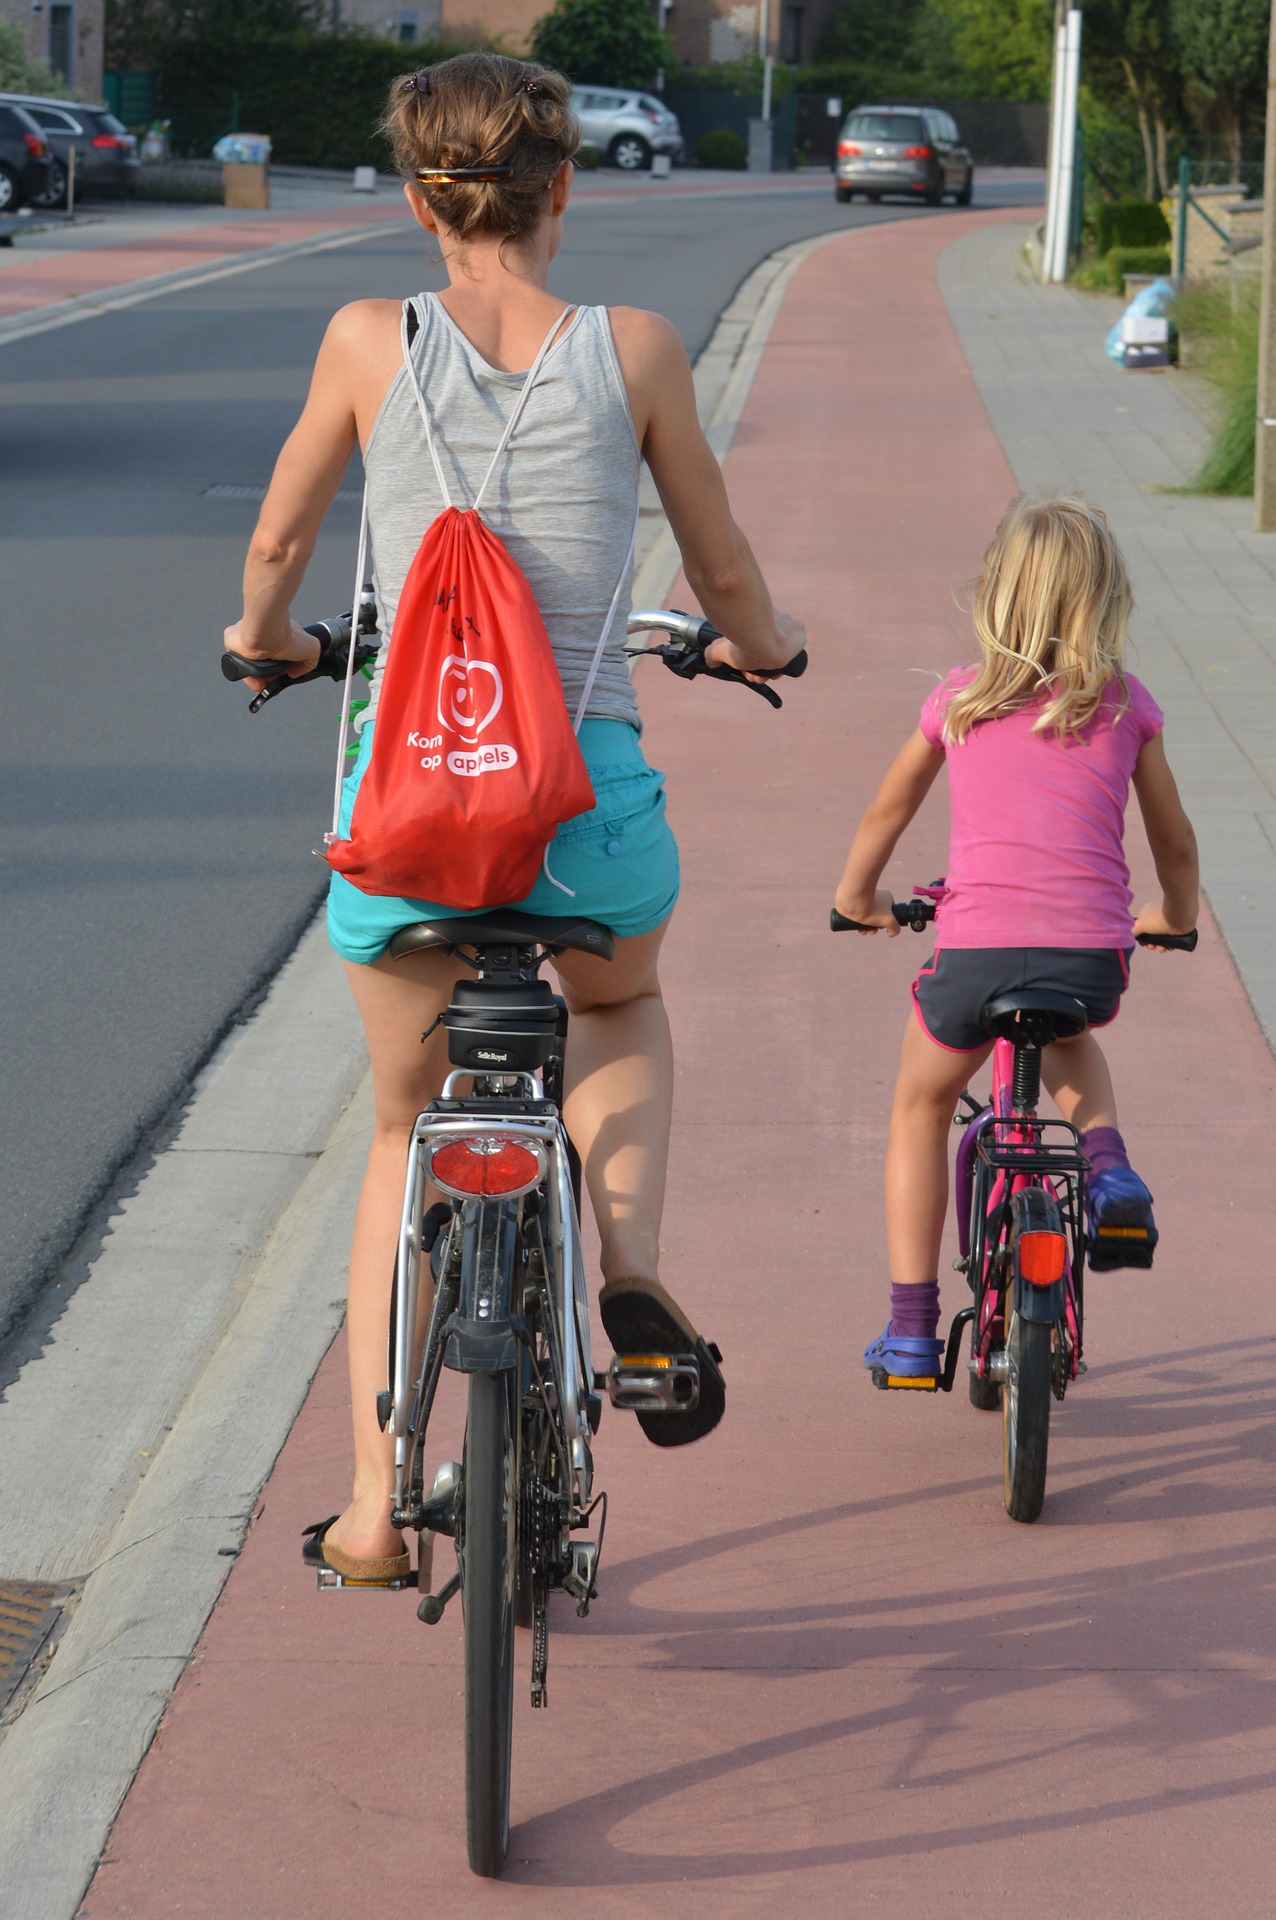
<point x="485" y="146"/>
<point x="1042" y="739"/>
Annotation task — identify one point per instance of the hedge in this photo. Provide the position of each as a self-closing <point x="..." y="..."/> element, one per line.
<point x="318" y="96"/>
<point x="1122" y="260"/>
<point x="1128" y="223"/>
<point x="721" y="147"/>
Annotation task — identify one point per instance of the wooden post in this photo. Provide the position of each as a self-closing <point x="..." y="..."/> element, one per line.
<point x="1265" y="426"/>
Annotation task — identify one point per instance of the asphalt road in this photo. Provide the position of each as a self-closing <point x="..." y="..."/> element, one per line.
<point x="155" y="843"/>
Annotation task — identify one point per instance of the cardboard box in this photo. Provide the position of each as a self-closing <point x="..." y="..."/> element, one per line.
<point x="244" y="185"/>
<point x="1145" y="330"/>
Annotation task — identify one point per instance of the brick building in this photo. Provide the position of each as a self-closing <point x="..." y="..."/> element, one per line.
<point x="66" y="33"/>
<point x="705" y="32"/>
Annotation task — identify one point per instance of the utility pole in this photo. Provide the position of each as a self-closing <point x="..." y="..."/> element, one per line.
<point x="1265" y="426"/>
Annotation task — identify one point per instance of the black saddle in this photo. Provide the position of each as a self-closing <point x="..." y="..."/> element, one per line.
<point x="505" y="928"/>
<point x="1034" y="1019"/>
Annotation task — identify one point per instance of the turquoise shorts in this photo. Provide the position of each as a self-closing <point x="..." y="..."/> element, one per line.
<point x="617" y="864"/>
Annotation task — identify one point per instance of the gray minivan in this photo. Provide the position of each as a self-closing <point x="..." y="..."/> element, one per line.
<point x="626" y="127"/>
<point x="911" y="150"/>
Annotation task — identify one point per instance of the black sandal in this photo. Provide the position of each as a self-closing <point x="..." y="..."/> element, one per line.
<point x="640" y="1317"/>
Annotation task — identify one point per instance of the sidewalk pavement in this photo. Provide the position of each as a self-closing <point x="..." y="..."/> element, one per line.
<point x="826" y="1673"/>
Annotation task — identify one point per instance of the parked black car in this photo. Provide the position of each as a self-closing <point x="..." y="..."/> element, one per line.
<point x="25" y="163"/>
<point x="912" y="150"/>
<point x="105" y="152"/>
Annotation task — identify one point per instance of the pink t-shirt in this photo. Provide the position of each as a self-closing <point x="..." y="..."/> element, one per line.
<point x="1036" y="856"/>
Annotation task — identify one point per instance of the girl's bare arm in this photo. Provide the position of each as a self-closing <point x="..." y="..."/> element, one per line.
<point x="1172" y="841"/>
<point x="911" y="776"/>
<point x="717" y="559"/>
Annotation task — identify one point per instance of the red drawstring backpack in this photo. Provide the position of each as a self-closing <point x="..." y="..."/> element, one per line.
<point x="474" y="762"/>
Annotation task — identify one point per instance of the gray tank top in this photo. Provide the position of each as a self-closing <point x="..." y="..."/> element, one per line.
<point x="563" y="497"/>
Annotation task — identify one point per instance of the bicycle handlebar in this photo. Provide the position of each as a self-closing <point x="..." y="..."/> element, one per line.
<point x="684" y="653"/>
<point x="334" y="637"/>
<point x="918" y="914"/>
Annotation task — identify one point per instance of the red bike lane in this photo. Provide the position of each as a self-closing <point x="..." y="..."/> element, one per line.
<point x="825" y="1672"/>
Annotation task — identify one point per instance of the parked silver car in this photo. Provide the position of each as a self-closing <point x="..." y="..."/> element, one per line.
<point x="911" y="150"/>
<point x="105" y="151"/>
<point x="626" y="127"/>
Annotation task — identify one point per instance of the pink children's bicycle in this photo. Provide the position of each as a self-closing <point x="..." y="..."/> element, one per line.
<point x="1020" y="1229"/>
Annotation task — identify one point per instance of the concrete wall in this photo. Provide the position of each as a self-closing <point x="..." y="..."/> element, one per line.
<point x="75" y="23"/>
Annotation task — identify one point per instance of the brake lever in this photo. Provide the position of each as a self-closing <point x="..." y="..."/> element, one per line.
<point x="688" y="662"/>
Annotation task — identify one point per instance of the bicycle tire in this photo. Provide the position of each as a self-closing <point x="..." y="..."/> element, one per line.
<point x="488" y="1581"/>
<point x="985" y="1394"/>
<point x="1025" y="1402"/>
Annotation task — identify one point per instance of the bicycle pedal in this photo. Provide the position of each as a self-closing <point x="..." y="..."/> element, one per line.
<point x="1111" y="1247"/>
<point x="328" y="1577"/>
<point x="653" y="1382"/>
<point x="918" y="1383"/>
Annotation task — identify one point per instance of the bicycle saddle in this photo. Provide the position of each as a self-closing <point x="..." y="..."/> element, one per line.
<point x="1034" y="1018"/>
<point x="505" y="928"/>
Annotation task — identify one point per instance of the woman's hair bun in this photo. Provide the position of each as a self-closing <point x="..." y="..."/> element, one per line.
<point x="508" y="122"/>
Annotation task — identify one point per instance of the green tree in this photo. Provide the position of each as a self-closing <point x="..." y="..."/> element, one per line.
<point x="1004" y="48"/>
<point x="140" y="33"/>
<point x="20" y="72"/>
<point x="612" y="42"/>
<point x="1222" y="46"/>
<point x="1129" y="53"/>
<point x="876" y="32"/>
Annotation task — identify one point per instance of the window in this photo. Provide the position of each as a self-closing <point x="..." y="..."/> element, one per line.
<point x="409" y="25"/>
<point x="53" y="121"/>
<point x="62" y="41"/>
<point x="905" y="127"/>
<point x="791" y="36"/>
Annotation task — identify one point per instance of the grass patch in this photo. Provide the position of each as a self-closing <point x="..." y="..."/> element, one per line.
<point x="1221" y="326"/>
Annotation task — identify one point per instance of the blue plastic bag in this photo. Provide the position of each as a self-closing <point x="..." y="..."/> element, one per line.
<point x="243" y="149"/>
<point x="1149" y="302"/>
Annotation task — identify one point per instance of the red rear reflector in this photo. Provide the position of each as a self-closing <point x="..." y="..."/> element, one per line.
<point x="112" y="140"/>
<point x="483" y="1163"/>
<point x="1043" y="1257"/>
<point x="845" y="151"/>
<point x="918" y="153"/>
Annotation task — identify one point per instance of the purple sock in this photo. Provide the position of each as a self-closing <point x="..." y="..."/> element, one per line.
<point x="1103" y="1147"/>
<point x="915" y="1310"/>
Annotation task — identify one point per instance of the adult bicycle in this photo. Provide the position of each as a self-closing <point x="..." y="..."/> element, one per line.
<point x="1021" y="1234"/>
<point x="500" y="1253"/>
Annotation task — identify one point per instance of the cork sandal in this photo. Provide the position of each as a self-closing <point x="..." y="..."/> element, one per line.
<point x="640" y="1317"/>
<point x="363" y="1573"/>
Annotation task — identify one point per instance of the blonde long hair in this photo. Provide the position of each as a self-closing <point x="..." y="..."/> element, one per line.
<point x="1052" y="606"/>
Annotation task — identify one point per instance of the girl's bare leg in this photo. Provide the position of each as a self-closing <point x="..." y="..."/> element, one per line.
<point x="620" y="1097"/>
<point x="1078" y="1081"/>
<point x="397" y="1001"/>
<point x="930" y="1080"/>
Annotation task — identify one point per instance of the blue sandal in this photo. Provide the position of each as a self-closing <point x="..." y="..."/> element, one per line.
<point x="906" y="1355"/>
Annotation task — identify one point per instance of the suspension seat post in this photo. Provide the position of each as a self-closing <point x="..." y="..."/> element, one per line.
<point x="1025" y="1089"/>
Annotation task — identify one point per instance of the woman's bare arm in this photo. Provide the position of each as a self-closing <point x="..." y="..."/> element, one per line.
<point x="306" y="477"/>
<point x="716" y="557"/>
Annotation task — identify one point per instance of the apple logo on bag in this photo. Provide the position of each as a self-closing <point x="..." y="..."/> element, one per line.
<point x="461" y="700"/>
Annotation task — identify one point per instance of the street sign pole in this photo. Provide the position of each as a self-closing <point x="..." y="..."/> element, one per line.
<point x="1265" y="426"/>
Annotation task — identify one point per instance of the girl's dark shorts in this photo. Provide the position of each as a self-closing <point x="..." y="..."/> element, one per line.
<point x="957" y="983"/>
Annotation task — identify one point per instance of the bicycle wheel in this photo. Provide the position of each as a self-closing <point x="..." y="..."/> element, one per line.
<point x="488" y="1576"/>
<point x="985" y="1394"/>
<point x="1025" y="1404"/>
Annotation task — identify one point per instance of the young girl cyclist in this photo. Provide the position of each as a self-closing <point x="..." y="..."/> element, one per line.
<point x="1042" y="739"/>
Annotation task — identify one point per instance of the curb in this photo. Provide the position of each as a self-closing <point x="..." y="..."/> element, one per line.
<point x="275" y="1111"/>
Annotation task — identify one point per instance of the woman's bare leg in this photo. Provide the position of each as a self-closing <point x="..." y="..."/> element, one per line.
<point x="930" y="1079"/>
<point x="397" y="1001"/>
<point x="620" y="1096"/>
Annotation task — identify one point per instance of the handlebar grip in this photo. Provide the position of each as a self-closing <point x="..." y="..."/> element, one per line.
<point x="1176" y="942"/>
<point x="910" y="913"/>
<point x="238" y="666"/>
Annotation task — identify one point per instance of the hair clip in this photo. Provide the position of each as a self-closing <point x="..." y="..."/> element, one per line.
<point x="451" y="176"/>
<point x="534" y="87"/>
<point x="418" y="82"/>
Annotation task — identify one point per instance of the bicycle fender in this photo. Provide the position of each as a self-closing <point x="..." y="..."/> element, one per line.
<point x="1042" y="1304"/>
<point x="478" y="1346"/>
